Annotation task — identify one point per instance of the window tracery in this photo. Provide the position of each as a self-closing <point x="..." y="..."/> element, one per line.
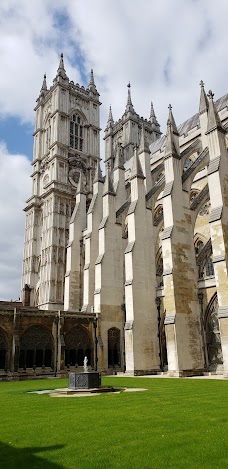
<point x="76" y="132"/>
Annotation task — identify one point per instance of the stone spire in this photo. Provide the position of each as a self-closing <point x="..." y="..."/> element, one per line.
<point x="98" y="174"/>
<point x="143" y="146"/>
<point x="136" y="170"/>
<point x="110" y="116"/>
<point x="170" y="146"/>
<point x="92" y="86"/>
<point x="203" y="106"/>
<point x="80" y="186"/>
<point x="108" y="185"/>
<point x="213" y="117"/>
<point x="129" y="105"/>
<point x="44" y="84"/>
<point x="172" y="120"/>
<point x="110" y="121"/>
<point x="119" y="158"/>
<point x="61" y="70"/>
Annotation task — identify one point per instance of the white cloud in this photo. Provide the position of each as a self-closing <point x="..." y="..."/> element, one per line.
<point x="163" y="48"/>
<point x="15" y="188"/>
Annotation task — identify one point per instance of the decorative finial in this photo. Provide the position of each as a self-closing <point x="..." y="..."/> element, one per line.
<point x="170" y="107"/>
<point x="202" y="84"/>
<point x="210" y="94"/>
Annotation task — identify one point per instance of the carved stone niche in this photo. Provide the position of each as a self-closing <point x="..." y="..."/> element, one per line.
<point x="76" y="166"/>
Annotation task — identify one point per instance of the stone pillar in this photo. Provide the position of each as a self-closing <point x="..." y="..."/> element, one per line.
<point x="182" y="321"/>
<point x="141" y="340"/>
<point x="218" y="188"/>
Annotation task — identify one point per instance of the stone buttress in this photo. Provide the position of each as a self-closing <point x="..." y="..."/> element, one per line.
<point x="74" y="262"/>
<point x="141" y="333"/>
<point x="109" y="291"/>
<point x="218" y="221"/>
<point x="94" y="217"/>
<point x="182" y="321"/>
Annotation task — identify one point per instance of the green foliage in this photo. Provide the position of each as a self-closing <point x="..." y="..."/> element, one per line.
<point x="176" y="423"/>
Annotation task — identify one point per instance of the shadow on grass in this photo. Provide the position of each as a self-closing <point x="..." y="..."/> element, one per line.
<point x="21" y="458"/>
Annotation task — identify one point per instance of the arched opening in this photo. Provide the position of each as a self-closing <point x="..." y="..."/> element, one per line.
<point x="36" y="348"/>
<point x="213" y="339"/>
<point x="3" y="349"/>
<point x="77" y="347"/>
<point x="114" y="347"/>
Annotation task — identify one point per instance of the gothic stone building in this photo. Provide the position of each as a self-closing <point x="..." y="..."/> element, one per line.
<point x="129" y="269"/>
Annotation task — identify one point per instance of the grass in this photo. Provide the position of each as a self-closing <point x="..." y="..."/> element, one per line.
<point x="176" y="423"/>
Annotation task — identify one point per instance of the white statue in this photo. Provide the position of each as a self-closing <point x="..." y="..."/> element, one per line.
<point x="85" y="365"/>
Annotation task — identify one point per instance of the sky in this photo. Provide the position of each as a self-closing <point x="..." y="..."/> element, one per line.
<point x="164" y="48"/>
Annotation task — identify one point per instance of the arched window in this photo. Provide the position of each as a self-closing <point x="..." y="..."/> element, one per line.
<point x="36" y="348"/>
<point x="3" y="349"/>
<point x="77" y="347"/>
<point x="113" y="347"/>
<point x="76" y="132"/>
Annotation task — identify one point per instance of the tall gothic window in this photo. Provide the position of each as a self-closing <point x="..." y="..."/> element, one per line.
<point x="76" y="132"/>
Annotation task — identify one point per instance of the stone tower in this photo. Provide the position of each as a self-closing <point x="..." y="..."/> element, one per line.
<point x="66" y="149"/>
<point x="127" y="131"/>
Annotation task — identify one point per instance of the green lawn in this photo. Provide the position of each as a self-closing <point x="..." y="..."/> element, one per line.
<point x="176" y="423"/>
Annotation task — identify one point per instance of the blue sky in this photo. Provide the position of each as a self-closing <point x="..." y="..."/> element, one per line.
<point x="164" y="48"/>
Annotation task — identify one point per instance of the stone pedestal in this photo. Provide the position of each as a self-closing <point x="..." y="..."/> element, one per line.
<point x="82" y="380"/>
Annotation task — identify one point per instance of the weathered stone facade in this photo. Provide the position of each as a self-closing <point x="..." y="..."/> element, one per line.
<point x="133" y="272"/>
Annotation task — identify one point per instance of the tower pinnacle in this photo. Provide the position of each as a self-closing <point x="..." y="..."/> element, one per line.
<point x="170" y="145"/>
<point x="203" y="106"/>
<point x="92" y="86"/>
<point x="172" y="120"/>
<point x="44" y="84"/>
<point x="61" y="70"/>
<point x="136" y="170"/>
<point x="214" y="121"/>
<point x="129" y="105"/>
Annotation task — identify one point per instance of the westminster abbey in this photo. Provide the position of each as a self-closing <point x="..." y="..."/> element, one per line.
<point x="131" y="268"/>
